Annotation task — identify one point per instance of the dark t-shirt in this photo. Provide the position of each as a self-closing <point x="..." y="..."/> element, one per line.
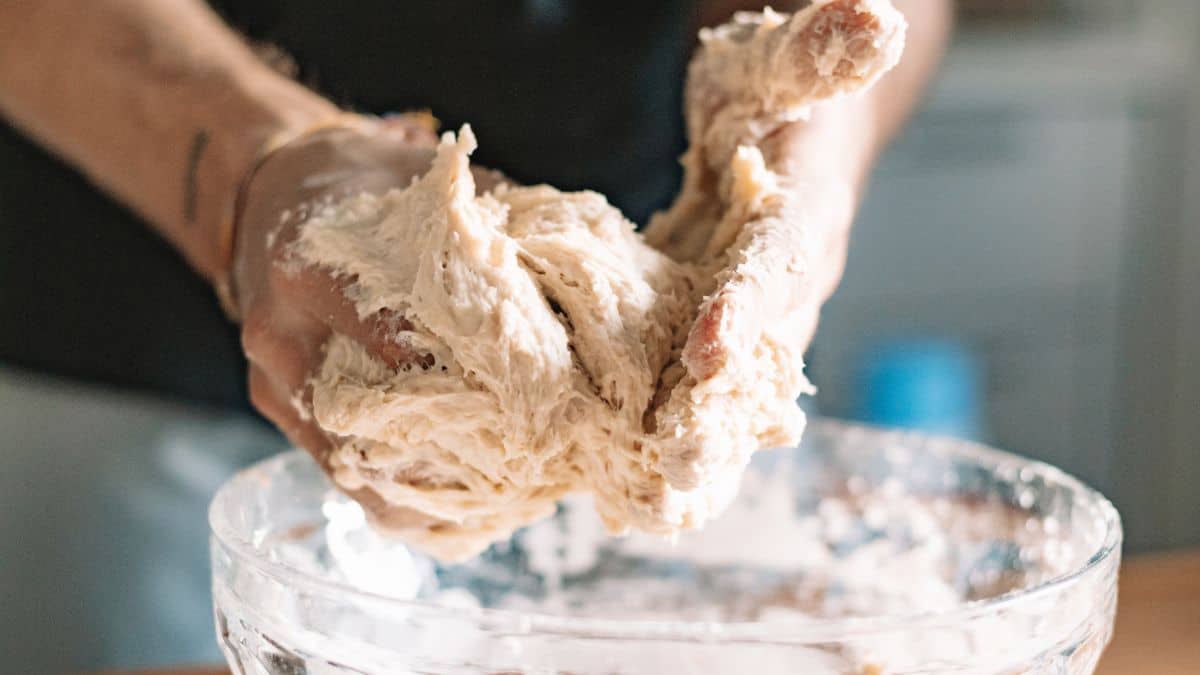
<point x="575" y="93"/>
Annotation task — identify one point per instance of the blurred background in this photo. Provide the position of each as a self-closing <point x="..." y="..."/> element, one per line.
<point x="1026" y="265"/>
<point x="1024" y="271"/>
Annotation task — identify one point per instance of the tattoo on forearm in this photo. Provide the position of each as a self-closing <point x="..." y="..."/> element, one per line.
<point x="190" y="188"/>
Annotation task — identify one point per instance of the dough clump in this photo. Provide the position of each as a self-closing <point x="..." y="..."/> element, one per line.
<point x="556" y="349"/>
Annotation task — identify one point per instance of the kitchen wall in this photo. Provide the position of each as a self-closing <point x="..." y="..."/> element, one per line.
<point x="1040" y="212"/>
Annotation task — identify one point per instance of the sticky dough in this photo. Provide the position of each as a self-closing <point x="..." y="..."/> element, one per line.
<point x="552" y="339"/>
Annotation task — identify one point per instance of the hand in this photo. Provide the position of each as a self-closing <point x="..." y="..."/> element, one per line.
<point x="289" y="308"/>
<point x="786" y="250"/>
<point x="790" y="258"/>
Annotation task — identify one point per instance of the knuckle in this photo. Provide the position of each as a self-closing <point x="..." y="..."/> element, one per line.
<point x="256" y="334"/>
<point x="261" y="395"/>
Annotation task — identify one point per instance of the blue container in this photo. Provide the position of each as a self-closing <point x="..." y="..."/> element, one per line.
<point x="934" y="385"/>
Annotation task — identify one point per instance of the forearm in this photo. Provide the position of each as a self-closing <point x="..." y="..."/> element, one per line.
<point x="894" y="97"/>
<point x="860" y="128"/>
<point x="157" y="101"/>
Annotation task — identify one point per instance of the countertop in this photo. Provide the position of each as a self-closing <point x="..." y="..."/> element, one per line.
<point x="1158" y="620"/>
<point x="1158" y="617"/>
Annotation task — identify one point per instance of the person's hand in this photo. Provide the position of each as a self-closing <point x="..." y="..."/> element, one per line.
<point x="288" y="308"/>
<point x="787" y="256"/>
<point x="790" y="258"/>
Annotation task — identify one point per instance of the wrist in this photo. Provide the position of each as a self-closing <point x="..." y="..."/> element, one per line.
<point x="309" y="132"/>
<point x="237" y="122"/>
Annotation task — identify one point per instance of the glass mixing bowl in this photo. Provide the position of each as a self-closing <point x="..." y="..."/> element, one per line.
<point x="862" y="551"/>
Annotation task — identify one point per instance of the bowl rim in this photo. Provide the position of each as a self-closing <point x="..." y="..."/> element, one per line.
<point x="756" y="632"/>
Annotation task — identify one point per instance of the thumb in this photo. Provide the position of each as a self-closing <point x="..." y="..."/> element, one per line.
<point x="777" y="267"/>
